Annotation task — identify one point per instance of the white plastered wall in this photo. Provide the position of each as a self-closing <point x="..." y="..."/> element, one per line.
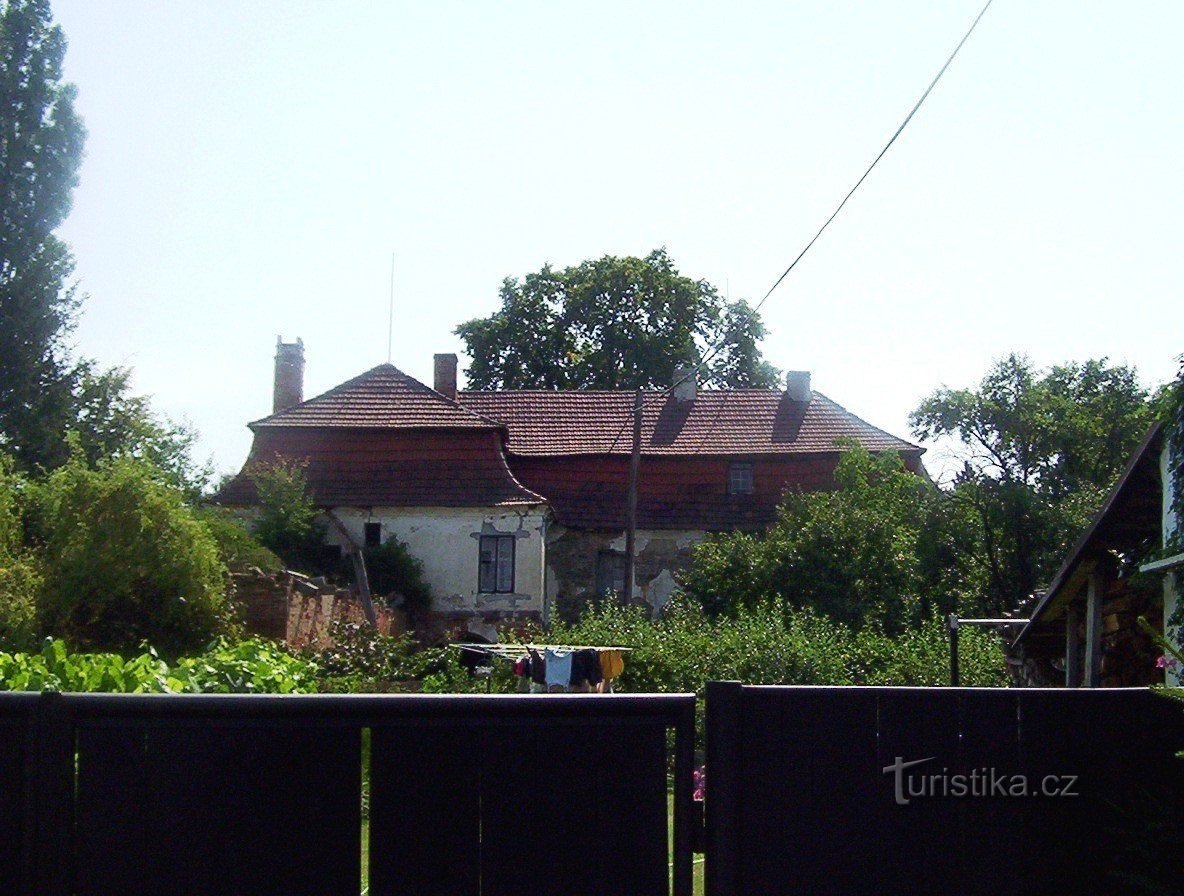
<point x="445" y="540"/>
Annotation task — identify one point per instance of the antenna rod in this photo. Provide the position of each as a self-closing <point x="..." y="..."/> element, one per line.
<point x="390" y="326"/>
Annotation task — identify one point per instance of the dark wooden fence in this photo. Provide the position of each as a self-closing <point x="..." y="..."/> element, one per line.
<point x="253" y="795"/>
<point x="798" y="799"/>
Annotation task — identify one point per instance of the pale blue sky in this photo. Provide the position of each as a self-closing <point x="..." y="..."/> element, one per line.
<point x="252" y="165"/>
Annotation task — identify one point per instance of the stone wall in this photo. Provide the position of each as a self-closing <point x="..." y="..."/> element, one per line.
<point x="571" y="565"/>
<point x="301" y="611"/>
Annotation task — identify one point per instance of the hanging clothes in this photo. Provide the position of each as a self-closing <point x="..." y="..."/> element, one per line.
<point x="538" y="668"/>
<point x="612" y="664"/>
<point x="558" y="672"/>
<point x="585" y="668"/>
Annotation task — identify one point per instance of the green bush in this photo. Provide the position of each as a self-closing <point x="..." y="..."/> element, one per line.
<point x="287" y="523"/>
<point x="238" y="548"/>
<point x="392" y="570"/>
<point x="881" y="549"/>
<point x="125" y="561"/>
<point x="684" y="649"/>
<point x="362" y="660"/>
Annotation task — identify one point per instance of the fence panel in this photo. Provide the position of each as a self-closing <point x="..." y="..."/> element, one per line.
<point x="505" y="795"/>
<point x="247" y="806"/>
<point x="898" y="790"/>
<point x="16" y="722"/>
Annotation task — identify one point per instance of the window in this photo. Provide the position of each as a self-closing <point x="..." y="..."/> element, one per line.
<point x="610" y="573"/>
<point x="373" y="535"/>
<point x="740" y="478"/>
<point x="495" y="568"/>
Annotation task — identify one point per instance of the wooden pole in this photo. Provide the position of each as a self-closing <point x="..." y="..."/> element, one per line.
<point x="1072" y="648"/>
<point x="359" y="564"/>
<point x="1093" y="631"/>
<point x="631" y="506"/>
<point x="952" y="625"/>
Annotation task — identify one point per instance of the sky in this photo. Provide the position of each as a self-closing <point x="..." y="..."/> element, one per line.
<point x="251" y="169"/>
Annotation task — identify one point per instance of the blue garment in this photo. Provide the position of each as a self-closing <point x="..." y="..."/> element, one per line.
<point x="558" y="667"/>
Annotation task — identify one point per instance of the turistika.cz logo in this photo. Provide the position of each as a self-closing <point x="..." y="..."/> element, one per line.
<point x="980" y="782"/>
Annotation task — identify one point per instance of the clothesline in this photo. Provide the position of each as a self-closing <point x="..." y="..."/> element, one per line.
<point x="523" y="648"/>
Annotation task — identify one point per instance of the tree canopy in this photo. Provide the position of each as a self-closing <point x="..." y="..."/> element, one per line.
<point x="877" y="550"/>
<point x="613" y="323"/>
<point x="1039" y="449"/>
<point x="41" y="139"/>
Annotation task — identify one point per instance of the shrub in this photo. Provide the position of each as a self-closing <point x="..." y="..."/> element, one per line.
<point x="287" y="523"/>
<point x="392" y="570"/>
<point x="238" y="548"/>
<point x="126" y="562"/>
<point x="20" y="573"/>
<point x="361" y="659"/>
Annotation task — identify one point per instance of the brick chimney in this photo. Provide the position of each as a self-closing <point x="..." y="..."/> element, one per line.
<point x="445" y="375"/>
<point x="686" y="382"/>
<point x="289" y="374"/>
<point x="797" y="385"/>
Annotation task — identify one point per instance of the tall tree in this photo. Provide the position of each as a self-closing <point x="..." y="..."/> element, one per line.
<point x="1038" y="451"/>
<point x="613" y="323"/>
<point x="41" y="141"/>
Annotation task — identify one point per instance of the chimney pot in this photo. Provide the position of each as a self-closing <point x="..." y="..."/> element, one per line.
<point x="686" y="382"/>
<point x="288" y="390"/>
<point x="797" y="385"/>
<point x="445" y="375"/>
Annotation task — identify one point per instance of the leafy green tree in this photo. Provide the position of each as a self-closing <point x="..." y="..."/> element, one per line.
<point x="41" y="141"/>
<point x="20" y="572"/>
<point x="875" y="550"/>
<point x="287" y="523"/>
<point x="1039" y="451"/>
<point x="113" y="422"/>
<point x="125" y="561"/>
<point x="613" y="323"/>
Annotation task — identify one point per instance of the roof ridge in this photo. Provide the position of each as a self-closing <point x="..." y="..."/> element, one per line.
<point x="365" y="376"/>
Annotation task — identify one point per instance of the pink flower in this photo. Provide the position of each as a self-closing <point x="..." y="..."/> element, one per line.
<point x="700" y="782"/>
<point x="1166" y="662"/>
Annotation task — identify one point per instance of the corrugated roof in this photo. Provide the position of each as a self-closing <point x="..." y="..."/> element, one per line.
<point x="382" y="397"/>
<point x="740" y="421"/>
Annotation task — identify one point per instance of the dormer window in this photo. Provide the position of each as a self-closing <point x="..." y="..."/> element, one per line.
<point x="740" y="477"/>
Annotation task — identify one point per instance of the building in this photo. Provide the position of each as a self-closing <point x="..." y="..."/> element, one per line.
<point x="515" y="501"/>
<point x="1084" y="630"/>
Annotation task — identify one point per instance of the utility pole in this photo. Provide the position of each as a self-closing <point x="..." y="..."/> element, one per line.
<point x="631" y="507"/>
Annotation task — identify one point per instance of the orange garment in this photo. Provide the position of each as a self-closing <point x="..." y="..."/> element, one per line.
<point x="612" y="664"/>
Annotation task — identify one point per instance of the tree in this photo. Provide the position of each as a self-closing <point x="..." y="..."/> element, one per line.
<point x="287" y="523"/>
<point x="41" y="141"/>
<point x="1039" y="451"/>
<point x="112" y="422"/>
<point x="613" y="323"/>
<point x="125" y="561"/>
<point x="872" y="551"/>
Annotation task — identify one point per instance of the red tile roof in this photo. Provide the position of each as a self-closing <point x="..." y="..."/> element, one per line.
<point x="383" y="397"/>
<point x="717" y="422"/>
<point x="388" y="467"/>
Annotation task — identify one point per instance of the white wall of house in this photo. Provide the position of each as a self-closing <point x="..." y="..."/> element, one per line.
<point x="1172" y="580"/>
<point x="446" y="541"/>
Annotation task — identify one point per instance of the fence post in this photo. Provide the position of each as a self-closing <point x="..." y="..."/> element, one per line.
<point x="724" y="734"/>
<point x="51" y="790"/>
<point x="684" y="767"/>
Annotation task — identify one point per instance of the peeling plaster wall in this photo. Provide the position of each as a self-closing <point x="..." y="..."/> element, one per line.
<point x="445" y="540"/>
<point x="571" y="565"/>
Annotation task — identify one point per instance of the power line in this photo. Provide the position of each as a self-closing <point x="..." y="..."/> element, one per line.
<point x="752" y="312"/>
<point x="755" y="309"/>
